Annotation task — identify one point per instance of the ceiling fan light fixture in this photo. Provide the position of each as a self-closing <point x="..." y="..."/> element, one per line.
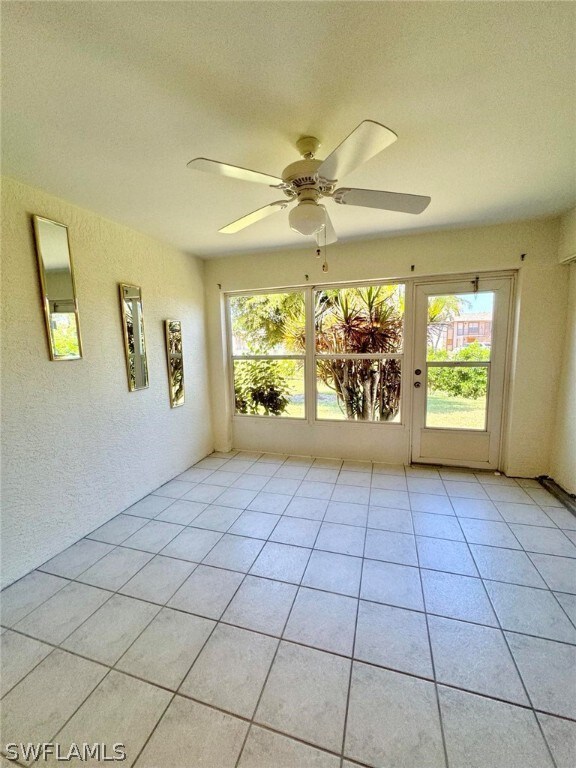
<point x="307" y="217"/>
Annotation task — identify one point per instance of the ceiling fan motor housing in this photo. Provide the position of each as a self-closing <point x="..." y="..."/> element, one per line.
<point x="302" y="176"/>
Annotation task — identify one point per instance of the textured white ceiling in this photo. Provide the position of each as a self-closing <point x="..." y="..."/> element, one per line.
<point x="105" y="102"/>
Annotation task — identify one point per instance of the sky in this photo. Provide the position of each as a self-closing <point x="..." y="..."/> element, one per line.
<point x="479" y="302"/>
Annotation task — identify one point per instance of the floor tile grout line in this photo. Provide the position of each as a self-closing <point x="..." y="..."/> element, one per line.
<point x="553" y="527"/>
<point x="115" y="547"/>
<point x="118" y="590"/>
<point x="298" y="739"/>
<point x="153" y="731"/>
<point x="521" y="548"/>
<point x="56" y="648"/>
<point x="412" y="675"/>
<point x="478" y="578"/>
<point x="80" y="573"/>
<point x="176" y="692"/>
<point x="518" y="672"/>
<point x="65" y="723"/>
<point x="64" y="578"/>
<point x="53" y="647"/>
<point x="452" y="472"/>
<point x="369" y="487"/>
<point x="114" y="593"/>
<point x="280" y="640"/>
<point x="554" y="595"/>
<point x="70" y="581"/>
<point x="407" y="490"/>
<point x="348" y="693"/>
<point x="432" y="662"/>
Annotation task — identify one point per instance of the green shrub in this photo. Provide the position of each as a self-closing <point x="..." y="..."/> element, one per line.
<point x="260" y="384"/>
<point x="459" y="382"/>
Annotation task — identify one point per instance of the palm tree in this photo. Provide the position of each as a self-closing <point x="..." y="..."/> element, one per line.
<point x="441" y="311"/>
<point x="361" y="321"/>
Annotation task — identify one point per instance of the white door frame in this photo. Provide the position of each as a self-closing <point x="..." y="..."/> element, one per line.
<point x="480" y="449"/>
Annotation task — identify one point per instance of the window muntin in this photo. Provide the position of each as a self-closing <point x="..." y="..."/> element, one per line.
<point x="267" y="333"/>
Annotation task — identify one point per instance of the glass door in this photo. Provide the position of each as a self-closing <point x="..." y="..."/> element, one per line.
<point x="461" y="331"/>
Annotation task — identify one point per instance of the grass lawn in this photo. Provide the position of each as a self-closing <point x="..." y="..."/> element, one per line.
<point x="327" y="403"/>
<point x="442" y="410"/>
<point x="455" y="412"/>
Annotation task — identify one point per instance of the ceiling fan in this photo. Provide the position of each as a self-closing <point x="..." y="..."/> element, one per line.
<point x="309" y="180"/>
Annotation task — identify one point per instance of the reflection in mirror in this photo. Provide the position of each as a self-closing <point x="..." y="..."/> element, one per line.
<point x="134" y="341"/>
<point x="175" y="362"/>
<point x="58" y="289"/>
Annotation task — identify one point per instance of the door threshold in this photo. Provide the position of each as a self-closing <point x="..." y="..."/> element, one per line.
<point x="459" y="468"/>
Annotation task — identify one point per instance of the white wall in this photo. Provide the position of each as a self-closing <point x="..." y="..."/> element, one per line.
<point x="540" y="308"/>
<point x="563" y="464"/>
<point x="77" y="446"/>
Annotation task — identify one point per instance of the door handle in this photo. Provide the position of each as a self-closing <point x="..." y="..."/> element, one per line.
<point x="417" y="384"/>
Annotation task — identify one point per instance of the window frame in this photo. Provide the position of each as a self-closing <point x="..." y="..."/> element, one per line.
<point x="310" y="355"/>
<point x="358" y="356"/>
<point x="232" y="358"/>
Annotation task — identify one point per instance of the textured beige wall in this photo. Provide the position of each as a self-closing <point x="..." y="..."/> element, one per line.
<point x="563" y="465"/>
<point x="567" y="244"/>
<point x="77" y="446"/>
<point x="540" y="312"/>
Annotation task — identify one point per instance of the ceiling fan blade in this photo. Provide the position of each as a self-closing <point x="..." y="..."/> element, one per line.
<point x="387" y="201"/>
<point x="223" y="169"/>
<point x="330" y="233"/>
<point x="252" y="218"/>
<point x="364" y="142"/>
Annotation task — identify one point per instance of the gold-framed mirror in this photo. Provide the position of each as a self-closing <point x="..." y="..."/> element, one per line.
<point x="175" y="362"/>
<point x="58" y="289"/>
<point x="134" y="338"/>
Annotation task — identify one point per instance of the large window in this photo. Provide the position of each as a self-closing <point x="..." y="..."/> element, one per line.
<point x="352" y="362"/>
<point x="268" y="353"/>
<point x="358" y="352"/>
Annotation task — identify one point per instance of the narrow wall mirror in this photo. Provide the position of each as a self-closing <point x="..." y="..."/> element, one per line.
<point x="134" y="339"/>
<point x="58" y="289"/>
<point x="175" y="362"/>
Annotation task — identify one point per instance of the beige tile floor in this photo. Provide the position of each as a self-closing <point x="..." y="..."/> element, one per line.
<point x="265" y="611"/>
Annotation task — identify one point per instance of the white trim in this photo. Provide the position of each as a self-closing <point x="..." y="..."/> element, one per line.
<point x="458" y="363"/>
<point x="268" y="357"/>
<point x="491" y="435"/>
<point x="310" y="366"/>
<point x="360" y="356"/>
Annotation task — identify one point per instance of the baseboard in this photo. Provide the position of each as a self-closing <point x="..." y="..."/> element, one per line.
<point x="558" y="492"/>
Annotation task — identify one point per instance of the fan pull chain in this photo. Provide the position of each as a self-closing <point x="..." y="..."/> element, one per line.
<point x="325" y="264"/>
